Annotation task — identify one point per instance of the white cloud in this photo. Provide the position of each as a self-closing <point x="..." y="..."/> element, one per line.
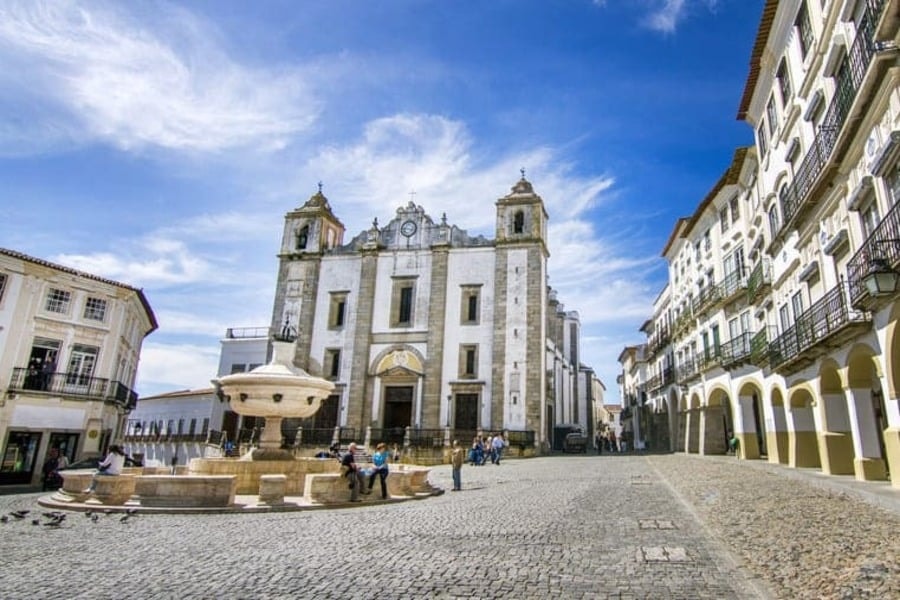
<point x="91" y="70"/>
<point x="164" y="367"/>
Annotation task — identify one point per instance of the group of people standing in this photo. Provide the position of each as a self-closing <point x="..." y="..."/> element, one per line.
<point x="608" y="441"/>
<point x="487" y="447"/>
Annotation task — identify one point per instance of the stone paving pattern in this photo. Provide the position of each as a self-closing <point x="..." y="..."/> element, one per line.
<point x="668" y="526"/>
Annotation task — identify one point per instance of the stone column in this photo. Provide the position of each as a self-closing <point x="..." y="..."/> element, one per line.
<point x="868" y="464"/>
<point x="429" y="397"/>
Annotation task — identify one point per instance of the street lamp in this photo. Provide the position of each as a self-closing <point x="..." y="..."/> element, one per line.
<point x="881" y="279"/>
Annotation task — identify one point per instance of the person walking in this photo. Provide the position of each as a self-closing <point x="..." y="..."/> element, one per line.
<point x="497" y="445"/>
<point x="457" y="457"/>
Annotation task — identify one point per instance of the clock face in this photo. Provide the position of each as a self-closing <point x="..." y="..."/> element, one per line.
<point x="408" y="228"/>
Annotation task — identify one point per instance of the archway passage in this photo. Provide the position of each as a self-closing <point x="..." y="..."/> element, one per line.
<point x="803" y="447"/>
<point x="778" y="435"/>
<point x="865" y="401"/>
<point x="751" y="433"/>
<point x="718" y="424"/>
<point x="836" y="434"/>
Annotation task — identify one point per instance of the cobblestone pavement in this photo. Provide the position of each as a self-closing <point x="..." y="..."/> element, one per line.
<point x="669" y="526"/>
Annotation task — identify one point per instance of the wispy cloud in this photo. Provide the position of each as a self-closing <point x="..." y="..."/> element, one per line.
<point x="95" y="71"/>
<point x="664" y="16"/>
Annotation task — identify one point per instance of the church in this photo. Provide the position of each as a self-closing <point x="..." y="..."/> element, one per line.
<point x="421" y="325"/>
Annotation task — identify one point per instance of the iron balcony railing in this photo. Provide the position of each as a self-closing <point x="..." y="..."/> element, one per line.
<point x="668" y="376"/>
<point x="234" y="333"/>
<point x="707" y="297"/>
<point x="654" y="383"/>
<point x="75" y="385"/>
<point x="847" y="83"/>
<point x="826" y="317"/>
<point x="759" y="345"/>
<point x="686" y="370"/>
<point x="760" y="278"/>
<point x="736" y="350"/>
<point x="731" y="284"/>
<point x="884" y="244"/>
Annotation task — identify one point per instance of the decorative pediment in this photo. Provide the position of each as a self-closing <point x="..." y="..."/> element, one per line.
<point x="400" y="362"/>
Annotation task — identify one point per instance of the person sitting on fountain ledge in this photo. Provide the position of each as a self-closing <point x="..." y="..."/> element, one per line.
<point x="351" y="470"/>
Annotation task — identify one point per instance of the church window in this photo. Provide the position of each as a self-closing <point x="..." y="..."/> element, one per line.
<point x="302" y="237"/>
<point x="402" y="302"/>
<point x="468" y="361"/>
<point x="333" y="363"/>
<point x="470" y="309"/>
<point x="337" y="310"/>
<point x="519" y="222"/>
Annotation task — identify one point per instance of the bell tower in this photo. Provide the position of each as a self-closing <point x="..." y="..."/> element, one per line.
<point x="312" y="228"/>
<point x="521" y="217"/>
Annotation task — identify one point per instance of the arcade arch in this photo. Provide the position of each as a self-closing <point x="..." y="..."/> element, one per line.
<point x="803" y="447"/>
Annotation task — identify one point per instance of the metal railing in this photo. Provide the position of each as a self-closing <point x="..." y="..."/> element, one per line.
<point x="759" y="346"/>
<point x="706" y="297"/>
<point x="847" y="84"/>
<point x="74" y="385"/>
<point x="736" y="350"/>
<point x="686" y="369"/>
<point x="389" y="435"/>
<point x="425" y="438"/>
<point x="731" y="284"/>
<point x="760" y="278"/>
<point x="825" y="317"/>
<point x="883" y="243"/>
<point x="237" y="333"/>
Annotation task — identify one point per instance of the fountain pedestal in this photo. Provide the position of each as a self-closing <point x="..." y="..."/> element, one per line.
<point x="274" y="391"/>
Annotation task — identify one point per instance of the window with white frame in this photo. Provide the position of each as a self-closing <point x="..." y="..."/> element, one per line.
<point x="762" y="140"/>
<point x="735" y="206"/>
<point x="772" y="115"/>
<point x="784" y="82"/>
<point x="724" y="221"/>
<point x="95" y="309"/>
<point x="402" y="302"/>
<point x="797" y="304"/>
<point x="784" y="317"/>
<point x="803" y="25"/>
<point x="894" y="185"/>
<point x="868" y="215"/>
<point x="58" y="301"/>
<point x="774" y="218"/>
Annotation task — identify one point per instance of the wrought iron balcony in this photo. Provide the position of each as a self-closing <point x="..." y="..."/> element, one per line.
<point x="707" y="297"/>
<point x="668" y="376"/>
<point x="847" y="85"/>
<point x="654" y="383"/>
<point x="759" y="349"/>
<point x="826" y="324"/>
<point x="759" y="281"/>
<point x="884" y="243"/>
<point x="73" y="385"/>
<point x="737" y="350"/>
<point x="688" y="369"/>
<point x="732" y="284"/>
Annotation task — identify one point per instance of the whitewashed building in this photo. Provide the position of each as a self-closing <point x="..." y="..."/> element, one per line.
<point x="69" y="349"/>
<point x="779" y="322"/>
<point x="423" y="326"/>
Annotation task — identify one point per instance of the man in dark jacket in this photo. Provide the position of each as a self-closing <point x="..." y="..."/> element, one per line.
<point x="351" y="471"/>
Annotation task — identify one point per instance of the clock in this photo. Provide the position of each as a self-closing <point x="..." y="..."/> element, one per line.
<point x="408" y="228"/>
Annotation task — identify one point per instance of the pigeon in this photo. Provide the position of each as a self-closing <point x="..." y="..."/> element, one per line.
<point x="132" y="511"/>
<point x="95" y="518"/>
<point x="19" y="514"/>
<point x="124" y="519"/>
<point x="35" y="521"/>
<point x="89" y="514"/>
<point x="52" y="524"/>
<point x="4" y="519"/>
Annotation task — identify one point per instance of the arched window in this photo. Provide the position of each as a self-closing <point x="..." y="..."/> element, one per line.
<point x="302" y="237"/>
<point x="519" y="222"/>
<point x="774" y="218"/>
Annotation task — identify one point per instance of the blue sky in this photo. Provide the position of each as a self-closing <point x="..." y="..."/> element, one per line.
<point x="161" y="143"/>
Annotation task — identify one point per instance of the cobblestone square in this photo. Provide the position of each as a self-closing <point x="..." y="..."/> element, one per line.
<point x="552" y="527"/>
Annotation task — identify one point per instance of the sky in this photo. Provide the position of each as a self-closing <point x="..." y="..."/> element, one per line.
<point x="160" y="144"/>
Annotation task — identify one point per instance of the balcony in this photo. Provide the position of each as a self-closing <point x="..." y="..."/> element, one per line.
<point x="884" y="243"/>
<point x="731" y="285"/>
<point x="759" y="281"/>
<point x="708" y="297"/>
<point x="759" y="349"/>
<point x="825" y="325"/>
<point x="848" y="83"/>
<point x="74" y="385"/>
<point x="654" y="383"/>
<point x="736" y="351"/>
<point x="687" y="370"/>
<point x="683" y="324"/>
